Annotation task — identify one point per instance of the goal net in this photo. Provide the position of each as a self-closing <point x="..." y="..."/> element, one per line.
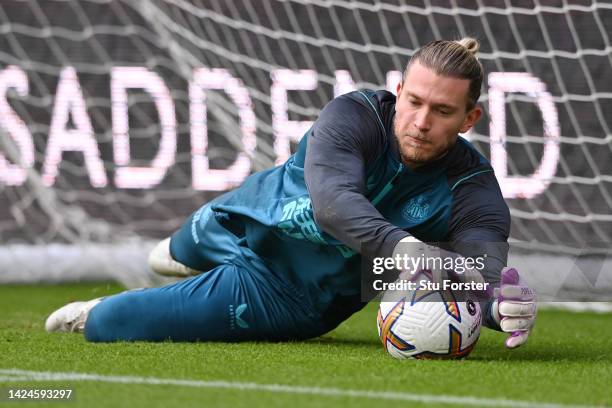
<point x="120" y="118"/>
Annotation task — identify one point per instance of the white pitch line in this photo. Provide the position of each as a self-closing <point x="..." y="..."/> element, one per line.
<point x="13" y="379"/>
<point x="23" y="375"/>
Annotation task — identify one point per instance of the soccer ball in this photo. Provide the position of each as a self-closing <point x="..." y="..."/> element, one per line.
<point x="428" y="324"/>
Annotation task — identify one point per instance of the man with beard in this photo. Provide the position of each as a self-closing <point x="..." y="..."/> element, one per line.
<point x="279" y="257"/>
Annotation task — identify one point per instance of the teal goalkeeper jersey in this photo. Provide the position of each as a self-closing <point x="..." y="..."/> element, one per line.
<point x="346" y="191"/>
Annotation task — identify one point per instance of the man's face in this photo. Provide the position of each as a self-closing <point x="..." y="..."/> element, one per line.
<point x="429" y="113"/>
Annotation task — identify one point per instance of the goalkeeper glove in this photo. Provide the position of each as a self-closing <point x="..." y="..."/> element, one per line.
<point x="515" y="308"/>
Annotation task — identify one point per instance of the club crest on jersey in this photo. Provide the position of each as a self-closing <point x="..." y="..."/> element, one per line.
<point x="416" y="210"/>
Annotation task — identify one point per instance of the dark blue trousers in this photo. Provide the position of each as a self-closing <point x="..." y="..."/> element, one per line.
<point x="238" y="299"/>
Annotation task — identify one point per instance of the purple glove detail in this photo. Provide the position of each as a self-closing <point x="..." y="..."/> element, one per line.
<point x="516" y="307"/>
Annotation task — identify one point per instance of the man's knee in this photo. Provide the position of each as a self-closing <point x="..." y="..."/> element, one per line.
<point x="162" y="263"/>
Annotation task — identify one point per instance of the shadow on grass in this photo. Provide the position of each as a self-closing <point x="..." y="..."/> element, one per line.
<point x="543" y="351"/>
<point x="344" y="341"/>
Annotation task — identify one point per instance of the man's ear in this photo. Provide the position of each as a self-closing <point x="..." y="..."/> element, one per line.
<point x="470" y="120"/>
<point x="399" y="88"/>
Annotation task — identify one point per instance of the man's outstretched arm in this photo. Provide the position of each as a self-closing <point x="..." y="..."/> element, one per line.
<point x="346" y="136"/>
<point x="480" y="225"/>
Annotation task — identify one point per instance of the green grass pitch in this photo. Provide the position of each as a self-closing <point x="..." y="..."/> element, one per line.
<point x="568" y="361"/>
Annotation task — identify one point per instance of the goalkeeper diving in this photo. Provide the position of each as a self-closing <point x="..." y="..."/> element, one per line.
<point x="279" y="257"/>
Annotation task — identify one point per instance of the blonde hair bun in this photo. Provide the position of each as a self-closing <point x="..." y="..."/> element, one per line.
<point x="470" y="43"/>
